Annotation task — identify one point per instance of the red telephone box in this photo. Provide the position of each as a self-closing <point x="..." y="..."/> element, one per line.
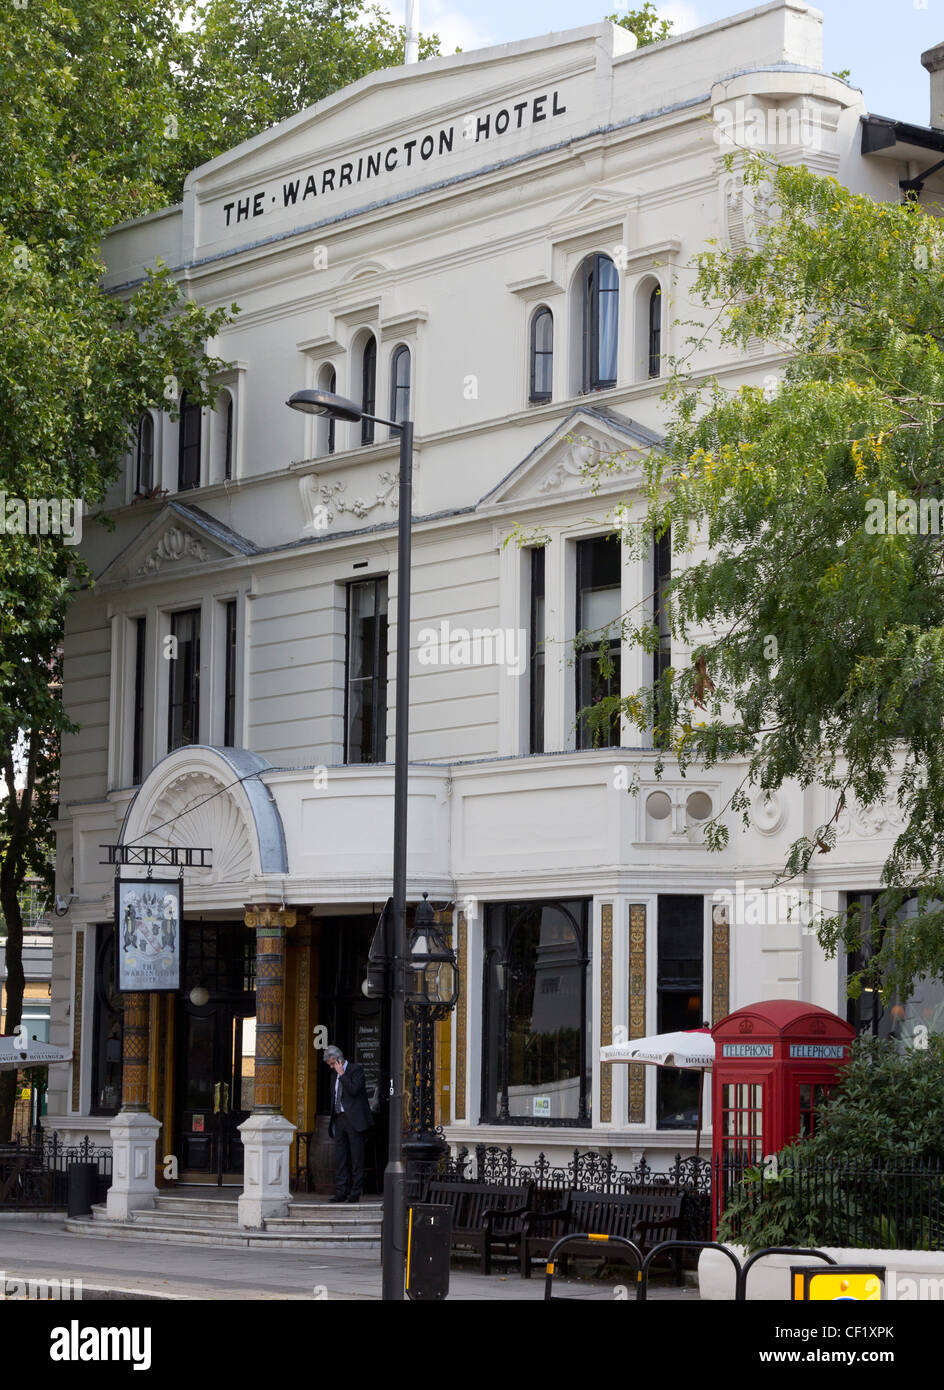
<point x="774" y="1063"/>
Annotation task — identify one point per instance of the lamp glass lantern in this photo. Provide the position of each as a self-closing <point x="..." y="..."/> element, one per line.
<point x="432" y="968"/>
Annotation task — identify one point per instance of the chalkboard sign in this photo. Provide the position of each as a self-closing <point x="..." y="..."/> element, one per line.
<point x="367" y="1051"/>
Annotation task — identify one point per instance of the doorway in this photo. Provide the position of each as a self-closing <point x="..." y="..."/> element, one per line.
<point x="359" y="1026"/>
<point x="215" y="1050"/>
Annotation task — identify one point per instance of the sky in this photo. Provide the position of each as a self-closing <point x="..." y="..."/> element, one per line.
<point x="880" y="41"/>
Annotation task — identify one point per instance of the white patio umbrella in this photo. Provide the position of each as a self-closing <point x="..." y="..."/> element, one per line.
<point x="688" y="1051"/>
<point x="35" y="1054"/>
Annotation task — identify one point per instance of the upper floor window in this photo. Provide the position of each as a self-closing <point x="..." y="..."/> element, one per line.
<point x="368" y="388"/>
<point x="542" y="355"/>
<point x="228" y="438"/>
<point x="183" y="705"/>
<point x="229" y="675"/>
<point x="365" y="734"/>
<point x="137" y="730"/>
<point x="599" y="285"/>
<point x="537" y="650"/>
<point x="189" y="435"/>
<point x="327" y="381"/>
<point x="144" y="455"/>
<point x="598" y="618"/>
<point x="400" y="373"/>
<point x="655" y="331"/>
<point x="662" y="656"/>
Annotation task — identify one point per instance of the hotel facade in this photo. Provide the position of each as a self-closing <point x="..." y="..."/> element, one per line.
<point x="499" y="245"/>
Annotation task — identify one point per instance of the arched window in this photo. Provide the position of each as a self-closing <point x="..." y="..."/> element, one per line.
<point x="368" y="388"/>
<point x="188" y="453"/>
<point x="327" y="381"/>
<point x="600" y="295"/>
<point x="655" y="331"/>
<point x="400" y="372"/>
<point x="542" y="355"/>
<point x="144" y="458"/>
<point x="222" y="437"/>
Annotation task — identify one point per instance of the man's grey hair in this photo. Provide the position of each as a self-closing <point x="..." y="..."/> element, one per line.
<point x="333" y="1054"/>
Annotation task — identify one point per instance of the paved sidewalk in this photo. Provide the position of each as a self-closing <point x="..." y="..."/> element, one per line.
<point x="31" y="1247"/>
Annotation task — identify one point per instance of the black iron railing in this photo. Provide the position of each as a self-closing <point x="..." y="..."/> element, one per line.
<point x="34" y="1172"/>
<point x="586" y="1171"/>
<point x="831" y="1202"/>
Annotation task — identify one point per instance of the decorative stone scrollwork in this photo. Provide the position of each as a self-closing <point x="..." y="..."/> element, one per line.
<point x="175" y="544"/>
<point x="325" y="501"/>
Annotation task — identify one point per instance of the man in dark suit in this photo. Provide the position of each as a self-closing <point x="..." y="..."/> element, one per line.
<point x="348" y="1126"/>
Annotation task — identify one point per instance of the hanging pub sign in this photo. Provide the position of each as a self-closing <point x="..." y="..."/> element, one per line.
<point x="148" y="919"/>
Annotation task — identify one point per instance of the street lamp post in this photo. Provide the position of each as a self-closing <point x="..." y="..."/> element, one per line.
<point x="312" y="402"/>
<point x="432" y="990"/>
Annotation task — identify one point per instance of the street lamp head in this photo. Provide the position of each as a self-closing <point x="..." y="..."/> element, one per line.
<point x="312" y="402"/>
<point x="433" y="978"/>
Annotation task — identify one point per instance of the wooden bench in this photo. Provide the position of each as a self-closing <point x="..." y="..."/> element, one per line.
<point x="486" y="1217"/>
<point x="644" y="1217"/>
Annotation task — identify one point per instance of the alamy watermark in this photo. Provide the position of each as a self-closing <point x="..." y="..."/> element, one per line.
<point x="903" y="516"/>
<point x="42" y="516"/>
<point x="766" y="907"/>
<point x="746" y="126"/>
<point x="39" y="1289"/>
<point x="477" y="646"/>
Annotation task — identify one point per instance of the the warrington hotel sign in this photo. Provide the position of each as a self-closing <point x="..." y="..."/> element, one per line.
<point x="424" y="149"/>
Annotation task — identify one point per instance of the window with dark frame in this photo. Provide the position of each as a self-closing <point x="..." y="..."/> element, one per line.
<point x="229" y="691"/>
<point x="183" y="707"/>
<point x="662" y="656"/>
<point x="144" y="464"/>
<point x="107" y="1026"/>
<point x="189" y="435"/>
<point x="365" y="716"/>
<point x="400" y="374"/>
<point x="600" y="295"/>
<point x="536" y="1036"/>
<point x="542" y="356"/>
<point x="228" y="457"/>
<point x="332" y="386"/>
<point x="598" y="616"/>
<point x="137" y="737"/>
<point x="368" y="388"/>
<point x="895" y="1017"/>
<point x="679" y="1001"/>
<point x="537" y="629"/>
<point x="655" y="331"/>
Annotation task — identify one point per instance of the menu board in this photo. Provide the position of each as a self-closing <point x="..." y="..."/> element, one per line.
<point x="367" y="1051"/>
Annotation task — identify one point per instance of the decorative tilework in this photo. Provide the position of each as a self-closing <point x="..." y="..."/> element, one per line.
<point x="637" y="1008"/>
<point x="606" y="1009"/>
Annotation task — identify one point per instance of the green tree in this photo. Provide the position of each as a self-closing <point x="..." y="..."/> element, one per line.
<point x="826" y="663"/>
<point x="644" y="23"/>
<point x="247" y="64"/>
<point x="84" y="98"/>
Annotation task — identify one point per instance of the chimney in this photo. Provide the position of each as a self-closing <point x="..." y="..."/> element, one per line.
<point x="933" y="60"/>
<point x="411" y="51"/>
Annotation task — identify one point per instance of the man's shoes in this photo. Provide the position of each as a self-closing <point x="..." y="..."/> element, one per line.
<point x="341" y="1199"/>
<point x="354" y="1199"/>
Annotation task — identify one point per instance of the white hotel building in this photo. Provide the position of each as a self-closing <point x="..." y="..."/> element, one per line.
<point x="499" y="244"/>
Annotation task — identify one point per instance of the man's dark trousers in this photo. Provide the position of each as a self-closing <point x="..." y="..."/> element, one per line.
<point x="349" y="1156"/>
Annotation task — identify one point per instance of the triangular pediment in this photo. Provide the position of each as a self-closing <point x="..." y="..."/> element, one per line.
<point x="177" y="539"/>
<point x="557" y="466"/>
<point x="599" y="199"/>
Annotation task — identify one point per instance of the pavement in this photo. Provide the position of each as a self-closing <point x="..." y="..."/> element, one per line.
<point x="32" y="1247"/>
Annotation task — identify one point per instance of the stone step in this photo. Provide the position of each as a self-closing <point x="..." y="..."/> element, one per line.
<point x="191" y="1233"/>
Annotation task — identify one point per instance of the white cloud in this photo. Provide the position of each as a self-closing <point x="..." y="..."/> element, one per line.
<point x="455" y="30"/>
